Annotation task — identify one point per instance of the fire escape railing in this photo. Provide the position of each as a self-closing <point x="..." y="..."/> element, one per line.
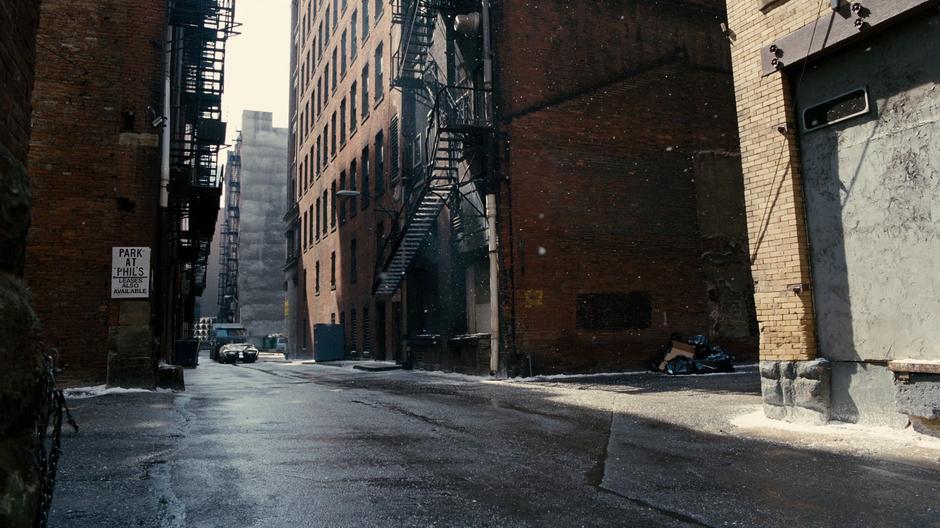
<point x="457" y="112"/>
<point x="201" y="29"/>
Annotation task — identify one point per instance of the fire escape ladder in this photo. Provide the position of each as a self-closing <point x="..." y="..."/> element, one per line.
<point x="417" y="19"/>
<point x="445" y="148"/>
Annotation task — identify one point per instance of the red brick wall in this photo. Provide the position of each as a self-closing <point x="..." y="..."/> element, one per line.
<point x="602" y="109"/>
<point x="17" y="59"/>
<point x="95" y="184"/>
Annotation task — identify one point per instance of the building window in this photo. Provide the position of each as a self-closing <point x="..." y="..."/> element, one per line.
<point x="310" y="226"/>
<point x="365" y="178"/>
<point x="317" y="226"/>
<point x="333" y="270"/>
<point x="365" y="91"/>
<point x="333" y="135"/>
<point x="379" y="164"/>
<point x="614" y="311"/>
<point x="325" y="151"/>
<point x="326" y="81"/>
<point x="379" y="74"/>
<point x="352" y="187"/>
<point x="342" y="122"/>
<point x="379" y="5"/>
<point x="365" y="20"/>
<point x="342" y="202"/>
<point x="342" y="59"/>
<point x="836" y="110"/>
<point x="316" y="157"/>
<point x="333" y="205"/>
<point x="353" y="118"/>
<point x="316" y="283"/>
<point x="353" y="263"/>
<point x="303" y="236"/>
<point x="313" y="161"/>
<point x="335" y="13"/>
<point x="326" y="22"/>
<point x="325" y="212"/>
<point x="353" y="37"/>
<point x="333" y="79"/>
<point x="318" y="95"/>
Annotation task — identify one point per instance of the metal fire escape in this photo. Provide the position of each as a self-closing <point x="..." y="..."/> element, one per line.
<point x="459" y="115"/>
<point x="201" y="29"/>
<point x="229" y="244"/>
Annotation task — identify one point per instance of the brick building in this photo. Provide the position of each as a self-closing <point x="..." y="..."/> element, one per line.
<point x="125" y="132"/>
<point x="838" y="116"/>
<point x="519" y="180"/>
<point x="21" y="397"/>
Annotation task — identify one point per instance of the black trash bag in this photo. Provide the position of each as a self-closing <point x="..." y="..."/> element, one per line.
<point x="717" y="360"/>
<point x="681" y="366"/>
<point x="700" y="343"/>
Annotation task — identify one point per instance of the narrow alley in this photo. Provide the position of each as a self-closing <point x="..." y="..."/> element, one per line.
<point x="290" y="444"/>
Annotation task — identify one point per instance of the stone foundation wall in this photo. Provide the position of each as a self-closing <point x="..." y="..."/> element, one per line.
<point x="797" y="391"/>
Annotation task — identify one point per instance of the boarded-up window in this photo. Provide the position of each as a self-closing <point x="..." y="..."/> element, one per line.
<point x="614" y="311"/>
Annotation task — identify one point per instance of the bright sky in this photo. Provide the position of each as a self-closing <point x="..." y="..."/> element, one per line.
<point x="257" y="62"/>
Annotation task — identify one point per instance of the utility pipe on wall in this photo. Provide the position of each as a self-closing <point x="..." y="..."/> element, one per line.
<point x="494" y="281"/>
<point x="165" y="146"/>
<point x="491" y="231"/>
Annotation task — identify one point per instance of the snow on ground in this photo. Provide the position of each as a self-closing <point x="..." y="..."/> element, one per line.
<point x="747" y="368"/>
<point x="77" y="393"/>
<point x="859" y="436"/>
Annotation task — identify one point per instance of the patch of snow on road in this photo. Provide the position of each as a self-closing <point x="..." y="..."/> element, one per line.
<point x="78" y="393"/>
<point x="756" y="419"/>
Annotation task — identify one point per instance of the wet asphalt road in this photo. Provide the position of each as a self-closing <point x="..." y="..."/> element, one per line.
<point x="276" y="445"/>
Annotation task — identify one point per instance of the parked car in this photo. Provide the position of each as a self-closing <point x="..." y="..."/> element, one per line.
<point x="234" y="352"/>
<point x="282" y="345"/>
<point x="224" y="334"/>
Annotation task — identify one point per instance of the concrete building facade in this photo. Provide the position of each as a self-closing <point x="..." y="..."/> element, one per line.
<point x="541" y="201"/>
<point x="838" y="116"/>
<point x="262" y="151"/>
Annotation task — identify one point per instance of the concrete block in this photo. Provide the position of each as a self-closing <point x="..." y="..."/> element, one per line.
<point x="772" y="391"/>
<point x="919" y="396"/>
<point x="796" y="391"/>
<point x="925" y="426"/>
<point x="865" y="393"/>
<point x="770" y="369"/>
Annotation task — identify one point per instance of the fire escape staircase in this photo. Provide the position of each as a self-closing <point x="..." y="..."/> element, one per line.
<point x="456" y="114"/>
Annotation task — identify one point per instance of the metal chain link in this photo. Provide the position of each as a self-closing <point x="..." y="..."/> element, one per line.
<point x="50" y="447"/>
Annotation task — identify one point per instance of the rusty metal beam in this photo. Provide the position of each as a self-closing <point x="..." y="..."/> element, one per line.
<point x="852" y="21"/>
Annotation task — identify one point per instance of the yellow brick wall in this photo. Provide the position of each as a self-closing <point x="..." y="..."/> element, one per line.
<point x="772" y="181"/>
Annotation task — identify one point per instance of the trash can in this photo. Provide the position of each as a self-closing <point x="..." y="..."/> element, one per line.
<point x="186" y="353"/>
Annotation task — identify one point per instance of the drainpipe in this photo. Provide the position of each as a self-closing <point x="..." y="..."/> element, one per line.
<point x="165" y="147"/>
<point x="494" y="281"/>
<point x="492" y="242"/>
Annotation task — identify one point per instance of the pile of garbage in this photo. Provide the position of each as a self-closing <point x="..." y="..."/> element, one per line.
<point x="694" y="356"/>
